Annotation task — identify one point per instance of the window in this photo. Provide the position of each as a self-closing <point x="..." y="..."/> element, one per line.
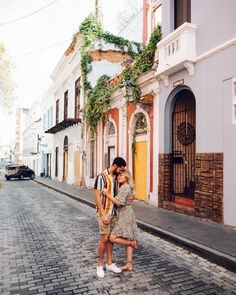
<point x="140" y="123"/>
<point x="66" y="105"/>
<point x="111" y="129"/>
<point x="156" y="14"/>
<point x="182" y="11"/>
<point x="57" y="111"/>
<point x="77" y="98"/>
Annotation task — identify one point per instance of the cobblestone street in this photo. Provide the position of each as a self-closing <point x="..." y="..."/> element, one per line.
<point x="48" y="245"/>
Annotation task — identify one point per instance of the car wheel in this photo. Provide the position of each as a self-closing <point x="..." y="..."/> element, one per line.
<point x="32" y="176"/>
<point x="7" y="178"/>
<point x="21" y="177"/>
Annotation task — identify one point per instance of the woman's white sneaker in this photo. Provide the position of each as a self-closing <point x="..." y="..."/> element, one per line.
<point x="100" y="272"/>
<point x="113" y="268"/>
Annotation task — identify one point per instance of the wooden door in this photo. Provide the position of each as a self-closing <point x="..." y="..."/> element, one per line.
<point x="140" y="170"/>
<point x="77" y="157"/>
<point x="183" y="146"/>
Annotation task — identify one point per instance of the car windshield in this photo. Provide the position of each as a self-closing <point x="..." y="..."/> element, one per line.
<point x="11" y="167"/>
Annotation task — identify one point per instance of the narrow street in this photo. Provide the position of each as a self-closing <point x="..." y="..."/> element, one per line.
<point x="48" y="245"/>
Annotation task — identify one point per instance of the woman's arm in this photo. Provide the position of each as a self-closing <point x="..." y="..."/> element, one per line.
<point x="114" y="200"/>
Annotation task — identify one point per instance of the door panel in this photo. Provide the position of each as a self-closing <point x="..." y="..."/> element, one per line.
<point x="77" y="168"/>
<point x="65" y="175"/>
<point x="183" y="145"/>
<point x="140" y="170"/>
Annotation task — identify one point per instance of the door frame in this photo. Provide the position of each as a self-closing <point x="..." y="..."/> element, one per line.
<point x="169" y="107"/>
<point x="144" y="137"/>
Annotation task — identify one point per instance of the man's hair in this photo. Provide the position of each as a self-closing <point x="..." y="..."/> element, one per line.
<point x="120" y="162"/>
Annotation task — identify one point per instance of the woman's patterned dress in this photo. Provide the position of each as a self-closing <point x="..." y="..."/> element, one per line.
<point x="125" y="226"/>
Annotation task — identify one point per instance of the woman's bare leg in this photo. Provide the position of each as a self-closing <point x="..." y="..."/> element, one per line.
<point x="123" y="241"/>
<point x="129" y="253"/>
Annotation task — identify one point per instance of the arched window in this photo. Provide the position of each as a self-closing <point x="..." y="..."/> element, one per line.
<point x="66" y="144"/>
<point x="111" y="129"/>
<point x="140" y="123"/>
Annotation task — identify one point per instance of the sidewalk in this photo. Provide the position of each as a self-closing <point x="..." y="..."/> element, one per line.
<point x="213" y="241"/>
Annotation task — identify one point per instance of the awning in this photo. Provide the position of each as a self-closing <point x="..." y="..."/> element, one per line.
<point x="62" y="125"/>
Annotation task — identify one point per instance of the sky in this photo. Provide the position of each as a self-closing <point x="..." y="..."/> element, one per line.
<point x="36" y="43"/>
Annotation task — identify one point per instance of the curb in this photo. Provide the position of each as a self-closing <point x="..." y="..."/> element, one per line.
<point x="215" y="256"/>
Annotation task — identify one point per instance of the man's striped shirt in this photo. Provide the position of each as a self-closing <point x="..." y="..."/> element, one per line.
<point x="107" y="181"/>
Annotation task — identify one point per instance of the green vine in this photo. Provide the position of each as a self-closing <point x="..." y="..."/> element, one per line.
<point x="98" y="103"/>
<point x="141" y="64"/>
<point x="98" y="98"/>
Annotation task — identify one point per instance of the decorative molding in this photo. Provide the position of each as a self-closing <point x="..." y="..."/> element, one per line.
<point x="190" y="67"/>
<point x="216" y="49"/>
<point x="165" y="79"/>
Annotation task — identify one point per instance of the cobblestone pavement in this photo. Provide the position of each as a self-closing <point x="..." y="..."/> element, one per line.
<point x="48" y="245"/>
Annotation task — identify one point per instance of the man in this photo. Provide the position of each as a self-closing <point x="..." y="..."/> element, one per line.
<point x="106" y="213"/>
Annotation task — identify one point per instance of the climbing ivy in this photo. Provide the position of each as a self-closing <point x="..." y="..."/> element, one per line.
<point x="98" y="98"/>
<point x="141" y="64"/>
<point x="91" y="29"/>
<point x="98" y="102"/>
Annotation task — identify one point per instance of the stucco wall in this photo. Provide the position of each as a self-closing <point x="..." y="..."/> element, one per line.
<point x="215" y="21"/>
<point x="229" y="156"/>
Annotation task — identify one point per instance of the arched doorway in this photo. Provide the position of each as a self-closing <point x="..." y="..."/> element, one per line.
<point x="140" y="149"/>
<point x="110" y="143"/>
<point x="65" y="159"/>
<point x="183" y="141"/>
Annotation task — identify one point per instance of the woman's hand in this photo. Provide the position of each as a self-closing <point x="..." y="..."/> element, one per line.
<point x="130" y="199"/>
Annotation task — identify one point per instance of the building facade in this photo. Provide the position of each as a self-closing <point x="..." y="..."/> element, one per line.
<point x="30" y="138"/>
<point x="21" y="114"/>
<point x="196" y="105"/>
<point x="63" y="161"/>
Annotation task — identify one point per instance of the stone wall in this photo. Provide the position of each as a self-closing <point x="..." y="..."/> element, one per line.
<point x="208" y="200"/>
<point x="209" y="186"/>
<point x="164" y="179"/>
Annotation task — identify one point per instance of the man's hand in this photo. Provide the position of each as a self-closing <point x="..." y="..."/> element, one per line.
<point x="130" y="199"/>
<point x="105" y="219"/>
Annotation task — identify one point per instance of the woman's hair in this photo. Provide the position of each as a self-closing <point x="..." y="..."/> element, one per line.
<point x="130" y="180"/>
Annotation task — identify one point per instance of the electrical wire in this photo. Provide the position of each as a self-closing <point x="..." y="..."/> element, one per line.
<point x="27" y="15"/>
<point x="41" y="49"/>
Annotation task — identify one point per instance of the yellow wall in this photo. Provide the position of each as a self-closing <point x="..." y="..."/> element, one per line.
<point x="140" y="170"/>
<point x="77" y="168"/>
<point x="65" y="166"/>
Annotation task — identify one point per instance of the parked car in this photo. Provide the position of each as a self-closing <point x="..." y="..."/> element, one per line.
<point x="18" y="171"/>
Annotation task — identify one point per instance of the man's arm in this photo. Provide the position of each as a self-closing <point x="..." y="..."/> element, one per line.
<point x="114" y="200"/>
<point x="97" y="198"/>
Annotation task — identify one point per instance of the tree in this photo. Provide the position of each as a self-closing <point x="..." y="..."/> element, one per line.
<point x="6" y="83"/>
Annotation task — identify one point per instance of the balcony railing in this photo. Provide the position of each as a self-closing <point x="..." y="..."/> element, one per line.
<point x="177" y="50"/>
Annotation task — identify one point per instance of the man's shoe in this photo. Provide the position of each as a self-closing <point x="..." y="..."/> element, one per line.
<point x="113" y="268"/>
<point x="100" y="272"/>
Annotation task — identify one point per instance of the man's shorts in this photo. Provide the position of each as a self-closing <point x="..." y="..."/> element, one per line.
<point x="105" y="229"/>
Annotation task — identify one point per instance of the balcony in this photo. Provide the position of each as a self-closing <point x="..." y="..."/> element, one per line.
<point x="63" y="125"/>
<point x="176" y="52"/>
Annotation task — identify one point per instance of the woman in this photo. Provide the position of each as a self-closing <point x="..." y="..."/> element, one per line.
<point x="124" y="231"/>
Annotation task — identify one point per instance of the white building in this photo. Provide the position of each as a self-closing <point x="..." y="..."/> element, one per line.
<point x="30" y="138"/>
<point x="66" y="118"/>
<point x="46" y="141"/>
